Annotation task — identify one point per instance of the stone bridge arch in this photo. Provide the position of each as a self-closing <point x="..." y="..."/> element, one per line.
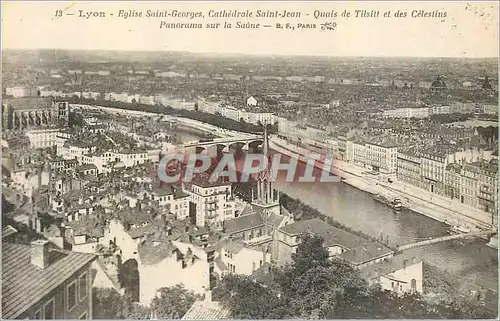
<point x="237" y="146"/>
<point x="255" y="145"/>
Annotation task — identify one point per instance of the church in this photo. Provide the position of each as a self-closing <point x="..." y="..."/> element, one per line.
<point x="259" y="220"/>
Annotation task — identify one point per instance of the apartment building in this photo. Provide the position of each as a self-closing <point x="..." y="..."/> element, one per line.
<point x="43" y="138"/>
<point x="479" y="185"/>
<point x="432" y="167"/>
<point x="177" y="200"/>
<point x="210" y="203"/>
<point x="381" y="156"/>
<point x="420" y="112"/>
<point x="408" y="167"/>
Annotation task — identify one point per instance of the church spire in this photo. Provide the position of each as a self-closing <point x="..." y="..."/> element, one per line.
<point x="264" y="185"/>
<point x="265" y="144"/>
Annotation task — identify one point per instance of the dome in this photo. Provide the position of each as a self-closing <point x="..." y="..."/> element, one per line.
<point x="438" y="83"/>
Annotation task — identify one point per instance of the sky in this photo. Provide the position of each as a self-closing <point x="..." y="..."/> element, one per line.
<point x="470" y="30"/>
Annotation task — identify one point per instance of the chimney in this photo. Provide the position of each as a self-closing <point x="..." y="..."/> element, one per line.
<point x="208" y="296"/>
<point x="405" y="262"/>
<point x="40" y="253"/>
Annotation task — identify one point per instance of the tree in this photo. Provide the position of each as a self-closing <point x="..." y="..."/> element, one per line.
<point x="133" y="310"/>
<point x="109" y="304"/>
<point x="106" y="304"/>
<point x="248" y="299"/>
<point x="310" y="254"/>
<point x="173" y="302"/>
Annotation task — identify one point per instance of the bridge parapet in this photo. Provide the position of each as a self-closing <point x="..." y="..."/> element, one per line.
<point x="444" y="238"/>
<point x="223" y="141"/>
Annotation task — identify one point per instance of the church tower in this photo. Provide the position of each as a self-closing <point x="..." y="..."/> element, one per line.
<point x="267" y="197"/>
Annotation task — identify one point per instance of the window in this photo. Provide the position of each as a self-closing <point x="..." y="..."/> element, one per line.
<point x="48" y="310"/>
<point x="71" y="295"/>
<point x="82" y="288"/>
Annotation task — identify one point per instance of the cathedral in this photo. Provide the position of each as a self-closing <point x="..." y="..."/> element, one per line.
<point x="33" y="112"/>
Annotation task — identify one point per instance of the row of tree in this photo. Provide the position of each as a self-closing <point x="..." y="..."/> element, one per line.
<point x="212" y="119"/>
<point x="315" y="286"/>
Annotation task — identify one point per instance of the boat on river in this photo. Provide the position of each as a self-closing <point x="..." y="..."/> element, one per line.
<point x="457" y="229"/>
<point x="394" y="204"/>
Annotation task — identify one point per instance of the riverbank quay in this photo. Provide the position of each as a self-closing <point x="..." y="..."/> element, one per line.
<point x="418" y="200"/>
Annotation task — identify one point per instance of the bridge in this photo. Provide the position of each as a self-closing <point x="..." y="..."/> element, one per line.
<point x="444" y="238"/>
<point x="245" y="142"/>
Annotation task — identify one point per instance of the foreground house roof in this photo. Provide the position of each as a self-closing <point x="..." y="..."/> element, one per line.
<point x="206" y="310"/>
<point x="23" y="284"/>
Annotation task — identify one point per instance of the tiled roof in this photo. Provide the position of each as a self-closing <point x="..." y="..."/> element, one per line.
<point x="148" y="228"/>
<point x="23" y="284"/>
<point x="330" y="234"/>
<point x="243" y="223"/>
<point x="365" y="253"/>
<point x="8" y="231"/>
<point x="163" y="191"/>
<point x="247" y="210"/>
<point x="390" y="266"/>
<point x="151" y="253"/>
<point x="275" y="220"/>
<point x="206" y="310"/>
<point x="220" y="264"/>
<point x="29" y="103"/>
<point x="87" y="226"/>
<point x="231" y="246"/>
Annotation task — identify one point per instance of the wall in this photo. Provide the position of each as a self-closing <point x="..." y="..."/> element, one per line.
<point x="246" y="261"/>
<point x="127" y="245"/>
<point x="413" y="271"/>
<point x="195" y="277"/>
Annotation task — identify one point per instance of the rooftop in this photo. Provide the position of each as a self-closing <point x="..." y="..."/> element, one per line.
<point x="206" y="310"/>
<point x="243" y="223"/>
<point x="29" y="103"/>
<point x="8" y="231"/>
<point x="365" y="253"/>
<point x="392" y="265"/>
<point x="23" y="284"/>
<point x="330" y="234"/>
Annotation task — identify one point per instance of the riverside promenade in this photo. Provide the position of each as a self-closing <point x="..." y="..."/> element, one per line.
<point x="440" y="208"/>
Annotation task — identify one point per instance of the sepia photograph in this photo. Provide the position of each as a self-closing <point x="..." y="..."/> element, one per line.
<point x="211" y="160"/>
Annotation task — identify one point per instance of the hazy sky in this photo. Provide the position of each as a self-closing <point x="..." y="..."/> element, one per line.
<point x="469" y="30"/>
